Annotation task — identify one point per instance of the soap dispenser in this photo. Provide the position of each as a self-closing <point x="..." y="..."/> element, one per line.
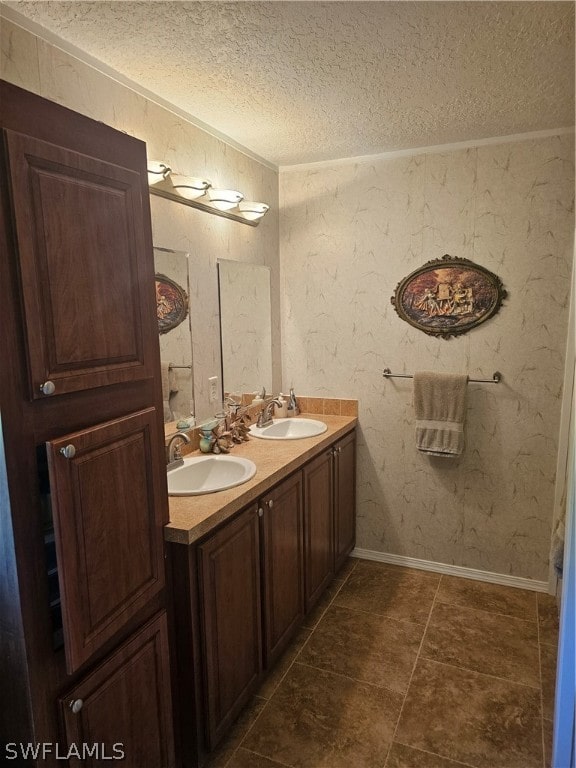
<point x="259" y="397"/>
<point x="293" y="409"/>
<point x="281" y="411"/>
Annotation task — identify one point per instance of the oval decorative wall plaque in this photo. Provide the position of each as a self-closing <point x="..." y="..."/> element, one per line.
<point x="448" y="296"/>
<point x="171" y="303"/>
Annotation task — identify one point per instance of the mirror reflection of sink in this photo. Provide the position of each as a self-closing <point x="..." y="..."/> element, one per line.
<point x="292" y="428"/>
<point x="208" y="474"/>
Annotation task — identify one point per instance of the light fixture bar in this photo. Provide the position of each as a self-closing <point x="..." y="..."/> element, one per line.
<point x="165" y="190"/>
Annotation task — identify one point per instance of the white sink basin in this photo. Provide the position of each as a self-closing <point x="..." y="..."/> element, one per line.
<point x="208" y="474"/>
<point x="289" y="429"/>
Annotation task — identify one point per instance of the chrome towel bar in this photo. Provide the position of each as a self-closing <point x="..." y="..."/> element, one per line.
<point x="496" y="377"/>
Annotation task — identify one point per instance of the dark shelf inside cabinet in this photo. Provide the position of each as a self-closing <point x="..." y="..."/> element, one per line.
<point x="51" y="559"/>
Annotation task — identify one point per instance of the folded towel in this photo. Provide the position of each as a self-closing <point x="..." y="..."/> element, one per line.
<point x="168" y="388"/>
<point x="440" y="407"/>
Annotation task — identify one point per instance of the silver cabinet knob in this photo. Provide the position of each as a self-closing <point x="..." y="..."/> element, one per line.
<point x="270" y="504"/>
<point x="68" y="451"/>
<point x="76" y="705"/>
<point x="260" y="512"/>
<point x="48" y="388"/>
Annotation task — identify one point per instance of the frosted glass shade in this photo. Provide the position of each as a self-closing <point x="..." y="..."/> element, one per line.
<point x="190" y="187"/>
<point x="224" y="199"/>
<point x="251" y="210"/>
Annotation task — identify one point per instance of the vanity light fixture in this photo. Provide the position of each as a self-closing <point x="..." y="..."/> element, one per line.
<point x="190" y="187"/>
<point x="224" y="199"/>
<point x="157" y="171"/>
<point x="252" y="211"/>
<point x="199" y="193"/>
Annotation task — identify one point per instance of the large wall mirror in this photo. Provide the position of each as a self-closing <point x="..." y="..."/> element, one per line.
<point x="245" y="326"/>
<point x="172" y="295"/>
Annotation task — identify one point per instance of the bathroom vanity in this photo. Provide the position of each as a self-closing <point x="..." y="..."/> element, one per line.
<point x="248" y="564"/>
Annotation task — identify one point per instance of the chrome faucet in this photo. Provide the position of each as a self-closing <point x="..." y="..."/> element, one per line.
<point x="265" y="415"/>
<point x="173" y="447"/>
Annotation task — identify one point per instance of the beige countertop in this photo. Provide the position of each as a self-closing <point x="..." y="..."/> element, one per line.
<point x="192" y="517"/>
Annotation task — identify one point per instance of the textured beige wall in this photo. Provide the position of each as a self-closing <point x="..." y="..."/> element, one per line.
<point x="38" y="66"/>
<point x="349" y="233"/>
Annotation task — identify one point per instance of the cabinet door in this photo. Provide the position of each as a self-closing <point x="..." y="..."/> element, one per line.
<point x="108" y="503"/>
<point x="124" y="707"/>
<point x="318" y="526"/>
<point x="344" y="498"/>
<point x="282" y="547"/>
<point x="229" y="571"/>
<point x="86" y="279"/>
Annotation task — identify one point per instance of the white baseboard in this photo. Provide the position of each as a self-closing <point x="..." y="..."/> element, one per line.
<point x="451" y="570"/>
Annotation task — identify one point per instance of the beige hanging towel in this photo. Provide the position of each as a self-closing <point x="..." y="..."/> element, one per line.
<point x="440" y="408"/>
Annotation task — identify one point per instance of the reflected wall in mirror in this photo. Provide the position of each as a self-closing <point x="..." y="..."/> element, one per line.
<point x="175" y="343"/>
<point x="245" y="326"/>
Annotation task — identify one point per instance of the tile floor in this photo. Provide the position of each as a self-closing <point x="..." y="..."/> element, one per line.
<point x="398" y="668"/>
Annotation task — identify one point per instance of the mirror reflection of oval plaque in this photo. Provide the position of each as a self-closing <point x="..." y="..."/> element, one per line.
<point x="171" y="303"/>
<point x="448" y="296"/>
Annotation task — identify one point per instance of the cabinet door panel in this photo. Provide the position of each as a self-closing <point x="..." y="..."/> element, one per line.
<point x="319" y="527"/>
<point x="345" y="499"/>
<point x="109" y="509"/>
<point x="282" y="526"/>
<point x="125" y="705"/>
<point x="79" y="230"/>
<point x="229" y="565"/>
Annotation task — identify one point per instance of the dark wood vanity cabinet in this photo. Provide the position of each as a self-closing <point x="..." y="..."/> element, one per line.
<point x="330" y="514"/>
<point x="241" y="592"/>
<point x="250" y="576"/>
<point x="231" y="623"/>
<point x="319" y="526"/>
<point x="282" y="531"/>
<point x="344" y="461"/>
<point x="83" y="499"/>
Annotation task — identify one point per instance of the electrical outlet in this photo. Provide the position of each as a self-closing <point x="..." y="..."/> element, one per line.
<point x="213" y="391"/>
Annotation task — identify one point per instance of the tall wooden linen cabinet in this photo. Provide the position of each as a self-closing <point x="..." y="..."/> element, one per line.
<point x="84" y="652"/>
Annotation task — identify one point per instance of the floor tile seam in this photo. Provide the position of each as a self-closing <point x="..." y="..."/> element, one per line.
<point x="272" y="759"/>
<point x="413" y="670"/>
<point x="491" y="613"/>
<point x="484" y="674"/>
<point x="436" y="754"/>
<point x="253" y="723"/>
<point x="348" y="677"/>
<point x="382" y="615"/>
<point x="379" y="615"/>
<point x="549" y="645"/>
<point x="487" y="674"/>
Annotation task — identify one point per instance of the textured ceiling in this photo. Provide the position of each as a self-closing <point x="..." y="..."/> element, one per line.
<point x="298" y="82"/>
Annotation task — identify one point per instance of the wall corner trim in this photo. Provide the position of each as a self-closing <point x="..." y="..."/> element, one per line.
<point x="451" y="570"/>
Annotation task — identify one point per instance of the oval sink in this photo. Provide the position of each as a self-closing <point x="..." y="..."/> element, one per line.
<point x="208" y="474"/>
<point x="289" y="429"/>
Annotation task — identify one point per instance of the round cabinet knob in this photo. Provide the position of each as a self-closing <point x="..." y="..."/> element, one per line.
<point x="339" y="449"/>
<point x="48" y="388"/>
<point x="260" y="512"/>
<point x="76" y="705"/>
<point x="270" y="504"/>
<point x="69" y="451"/>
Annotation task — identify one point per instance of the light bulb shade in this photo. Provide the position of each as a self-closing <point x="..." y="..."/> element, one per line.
<point x="157" y="171"/>
<point x="224" y="199"/>
<point x="189" y="187"/>
<point x="251" y="210"/>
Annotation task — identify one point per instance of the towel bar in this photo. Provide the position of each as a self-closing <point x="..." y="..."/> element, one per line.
<point x="496" y="377"/>
<point x="180" y="366"/>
